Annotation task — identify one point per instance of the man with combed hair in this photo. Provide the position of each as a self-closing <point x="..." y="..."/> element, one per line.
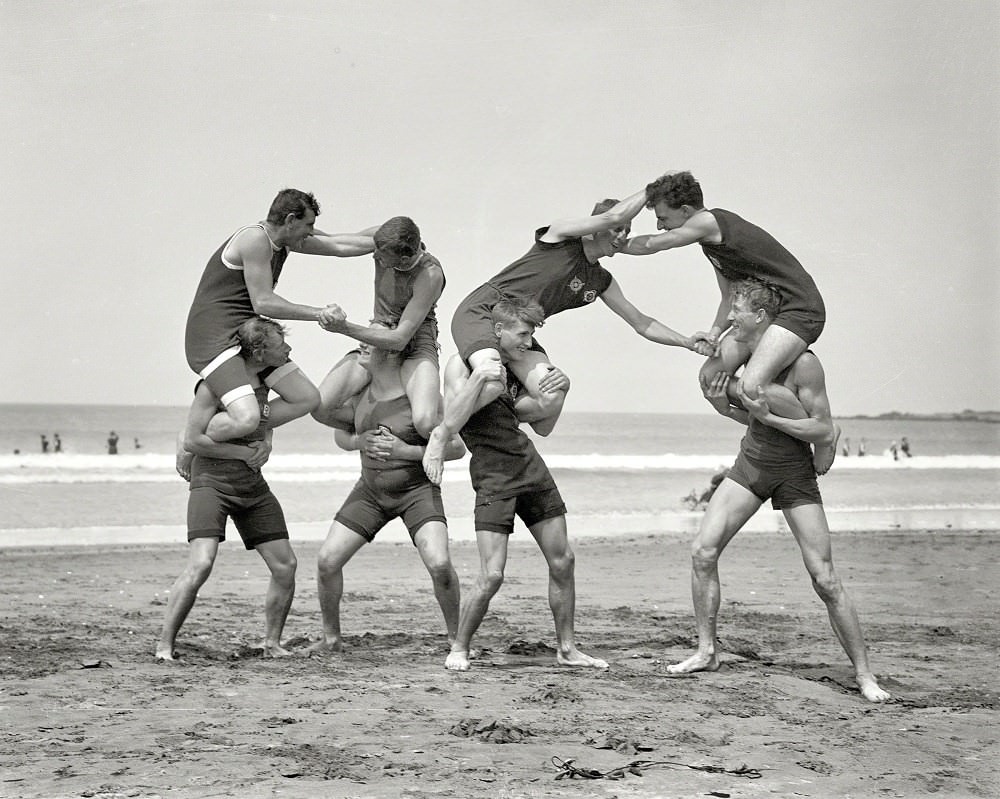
<point x="408" y="283"/>
<point x="562" y="271"/>
<point x="238" y="283"/>
<point x="226" y="483"/>
<point x="392" y="485"/>
<point x="510" y="478"/>
<point x="775" y="462"/>
<point x="739" y="249"/>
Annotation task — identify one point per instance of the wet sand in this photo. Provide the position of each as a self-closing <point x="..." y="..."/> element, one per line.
<point x="87" y="711"/>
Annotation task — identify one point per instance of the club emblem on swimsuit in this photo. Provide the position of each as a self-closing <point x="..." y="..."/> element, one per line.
<point x="512" y="390"/>
<point x="589" y="296"/>
<point x="575" y="285"/>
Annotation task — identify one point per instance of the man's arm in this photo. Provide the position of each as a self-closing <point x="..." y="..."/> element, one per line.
<point x="616" y="216"/>
<point x="700" y="227"/>
<point x="342" y="245"/>
<point x="386" y="446"/>
<point x="427" y="290"/>
<point x="810" y="388"/>
<point x="647" y="326"/>
<point x="716" y="391"/>
<point x="254" y="252"/>
<point x="462" y="391"/>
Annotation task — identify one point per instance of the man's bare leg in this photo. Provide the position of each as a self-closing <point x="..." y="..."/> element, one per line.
<point x="280" y="559"/>
<point x="422" y="381"/>
<point x="492" y="561"/>
<point x="184" y="592"/>
<point x="339" y="391"/>
<point x="339" y="547"/>
<point x="240" y="418"/>
<point x="432" y="545"/>
<point x="809" y="526"/>
<point x="729" y="509"/>
<point x="551" y="537"/>
<point x="437" y="442"/>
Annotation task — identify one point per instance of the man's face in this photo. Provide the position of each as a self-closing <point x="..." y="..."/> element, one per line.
<point x="300" y="229"/>
<point x="275" y="350"/>
<point x="388" y="259"/>
<point x="515" y="339"/>
<point x="668" y="218"/>
<point x="745" y="322"/>
<point x="611" y="241"/>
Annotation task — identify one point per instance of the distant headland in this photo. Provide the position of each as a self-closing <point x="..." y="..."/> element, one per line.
<point x="963" y="416"/>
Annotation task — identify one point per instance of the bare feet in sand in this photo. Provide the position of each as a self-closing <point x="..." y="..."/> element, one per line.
<point x="433" y="460"/>
<point x="275" y="651"/>
<point x="825" y="454"/>
<point x="325" y="647"/>
<point x="457" y="661"/>
<point x="697" y="662"/>
<point x="574" y="657"/>
<point x="870" y="689"/>
<point x="167" y="653"/>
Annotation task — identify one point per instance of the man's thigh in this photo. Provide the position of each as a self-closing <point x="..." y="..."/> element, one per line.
<point x="259" y="520"/>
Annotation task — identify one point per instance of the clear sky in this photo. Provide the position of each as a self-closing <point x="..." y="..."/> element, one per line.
<point x="136" y="136"/>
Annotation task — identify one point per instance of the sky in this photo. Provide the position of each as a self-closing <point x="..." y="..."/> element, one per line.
<point x="135" y="137"/>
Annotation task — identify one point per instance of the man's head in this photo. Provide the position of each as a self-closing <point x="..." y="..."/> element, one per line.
<point x="370" y="356"/>
<point x="610" y="241"/>
<point x="514" y="322"/>
<point x="397" y="243"/>
<point x="674" y="198"/>
<point x="262" y="342"/>
<point x="755" y="305"/>
<point x="294" y="212"/>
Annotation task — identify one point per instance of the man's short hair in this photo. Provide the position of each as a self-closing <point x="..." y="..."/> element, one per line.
<point x="675" y="189"/>
<point x="254" y="332"/>
<point x="511" y="310"/>
<point x="291" y="201"/>
<point x="399" y="235"/>
<point x="758" y="295"/>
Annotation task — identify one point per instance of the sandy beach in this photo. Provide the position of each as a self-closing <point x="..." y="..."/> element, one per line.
<point x="88" y="712"/>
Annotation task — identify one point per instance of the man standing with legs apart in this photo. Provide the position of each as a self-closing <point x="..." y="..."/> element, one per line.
<point x="774" y="462"/>
<point x="738" y="249"/>
<point x="408" y="283"/>
<point x="510" y="478"/>
<point x="237" y="284"/>
<point x="392" y="485"/>
<point x="226" y="483"/>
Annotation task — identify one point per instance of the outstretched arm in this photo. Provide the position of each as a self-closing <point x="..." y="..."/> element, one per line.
<point x="427" y="290"/>
<point x="617" y="215"/>
<point x="647" y="326"/>
<point x="700" y="227"/>
<point x="343" y="245"/>
<point x="253" y="251"/>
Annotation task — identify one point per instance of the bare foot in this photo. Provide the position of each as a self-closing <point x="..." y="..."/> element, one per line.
<point x="433" y="459"/>
<point x="574" y="657"/>
<point x="457" y="661"/>
<point x="167" y="653"/>
<point x="325" y="647"/>
<point x="870" y="690"/>
<point x="697" y="662"/>
<point x="825" y="454"/>
<point x="275" y="651"/>
<point x="183" y="460"/>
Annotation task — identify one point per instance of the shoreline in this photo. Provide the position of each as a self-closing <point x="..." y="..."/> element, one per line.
<point x="612" y="526"/>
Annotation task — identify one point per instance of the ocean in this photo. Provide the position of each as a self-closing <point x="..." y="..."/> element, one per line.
<point x="609" y="466"/>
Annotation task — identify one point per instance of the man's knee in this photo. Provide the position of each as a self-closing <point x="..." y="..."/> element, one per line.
<point x="826" y="583"/>
<point x="704" y="555"/>
<point x="283" y="570"/>
<point x="426" y="419"/>
<point x="245" y="416"/>
<point x="490" y="581"/>
<point x="441" y="572"/>
<point x="200" y="567"/>
<point x="563" y="566"/>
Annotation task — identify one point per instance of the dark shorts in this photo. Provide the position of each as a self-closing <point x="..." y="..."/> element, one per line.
<point x="497" y="515"/>
<point x="423" y="346"/>
<point x="807" y="326"/>
<point x="366" y="511"/>
<point x="786" y="486"/>
<point x="472" y="324"/>
<point x="258" y="519"/>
